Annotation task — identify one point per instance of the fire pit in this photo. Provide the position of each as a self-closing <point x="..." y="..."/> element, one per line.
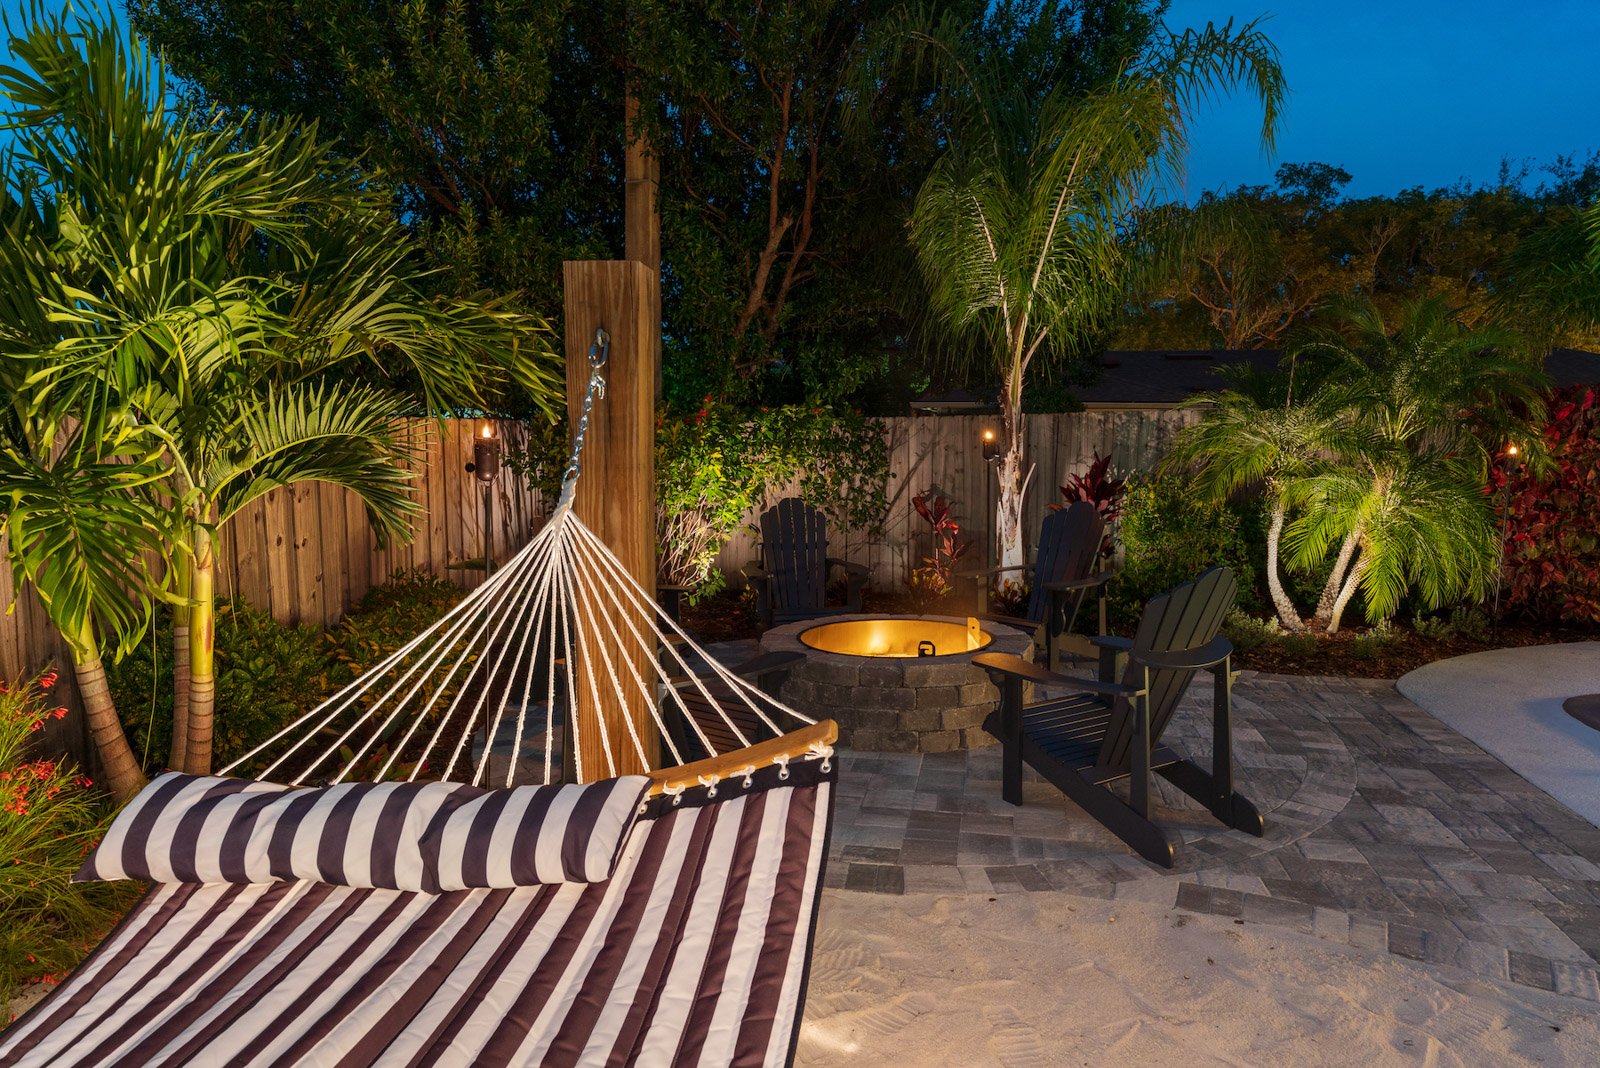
<point x="903" y="684"/>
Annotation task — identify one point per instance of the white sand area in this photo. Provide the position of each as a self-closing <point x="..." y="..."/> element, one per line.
<point x="1046" y="979"/>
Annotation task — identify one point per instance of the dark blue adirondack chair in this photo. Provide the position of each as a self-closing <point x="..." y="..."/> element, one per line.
<point x="1110" y="729"/>
<point x="791" y="578"/>
<point x="1063" y="577"/>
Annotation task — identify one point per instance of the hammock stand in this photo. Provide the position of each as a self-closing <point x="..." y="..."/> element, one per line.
<point x="693" y="949"/>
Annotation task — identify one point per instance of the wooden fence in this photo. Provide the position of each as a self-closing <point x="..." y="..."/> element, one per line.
<point x="306" y="553"/>
<point x="943" y="454"/>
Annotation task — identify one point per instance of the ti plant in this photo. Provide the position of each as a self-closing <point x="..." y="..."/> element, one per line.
<point x="933" y="581"/>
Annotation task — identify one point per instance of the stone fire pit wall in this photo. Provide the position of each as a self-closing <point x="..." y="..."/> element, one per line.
<point x="932" y="704"/>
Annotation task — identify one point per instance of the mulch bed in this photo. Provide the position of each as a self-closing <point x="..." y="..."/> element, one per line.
<point x="1338" y="654"/>
<point x="730" y="616"/>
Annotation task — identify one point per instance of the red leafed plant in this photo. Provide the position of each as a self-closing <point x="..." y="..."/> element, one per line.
<point x="1552" y="568"/>
<point x="50" y="817"/>
<point x="934" y="580"/>
<point x="1098" y="488"/>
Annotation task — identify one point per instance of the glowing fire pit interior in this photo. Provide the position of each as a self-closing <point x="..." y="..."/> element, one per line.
<point x="902" y="684"/>
<point x="896" y="637"/>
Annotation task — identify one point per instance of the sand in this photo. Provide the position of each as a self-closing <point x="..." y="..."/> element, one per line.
<point x="1026" y="980"/>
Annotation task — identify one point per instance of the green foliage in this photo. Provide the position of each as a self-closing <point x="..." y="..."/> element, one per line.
<point x="1170" y="533"/>
<point x="1247" y="632"/>
<point x="1464" y="621"/>
<point x="1302" y="643"/>
<point x="788" y="149"/>
<point x="268" y="673"/>
<point x="715" y="467"/>
<point x="384" y="620"/>
<point x="50" y="818"/>
<point x="1367" y="646"/>
<point x="1245" y="268"/>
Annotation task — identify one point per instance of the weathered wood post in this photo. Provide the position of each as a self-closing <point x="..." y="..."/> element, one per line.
<point x="616" y="491"/>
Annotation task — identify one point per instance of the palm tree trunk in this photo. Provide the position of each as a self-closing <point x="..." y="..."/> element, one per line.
<point x="124" y="778"/>
<point x="1280" y="597"/>
<point x="1012" y="551"/>
<point x="1343" y="600"/>
<point x="178" y="756"/>
<point x="1335" y="583"/>
<point x="202" y="655"/>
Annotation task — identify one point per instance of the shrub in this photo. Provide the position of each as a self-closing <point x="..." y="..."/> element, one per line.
<point x="1367" y="646"/>
<point x="717" y="465"/>
<point x="935" y="578"/>
<point x="1247" y="632"/>
<point x="50" y="817"/>
<point x="1303" y="643"/>
<point x="267" y="674"/>
<point x="384" y="620"/>
<point x="1169" y="535"/>
<point x="1552" y="562"/>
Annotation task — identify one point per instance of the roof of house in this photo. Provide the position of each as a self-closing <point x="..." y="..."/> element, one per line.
<point x="1164" y="378"/>
<point x="1158" y="379"/>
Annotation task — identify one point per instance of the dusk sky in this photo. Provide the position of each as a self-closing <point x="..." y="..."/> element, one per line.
<point x="1409" y="92"/>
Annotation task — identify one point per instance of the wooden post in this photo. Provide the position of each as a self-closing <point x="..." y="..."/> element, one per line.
<point x="641" y="220"/>
<point x="616" y="491"/>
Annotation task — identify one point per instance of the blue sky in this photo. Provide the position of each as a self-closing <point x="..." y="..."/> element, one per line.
<point x="1400" y="92"/>
<point x="1409" y="92"/>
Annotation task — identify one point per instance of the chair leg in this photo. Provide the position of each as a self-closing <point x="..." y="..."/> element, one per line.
<point x="1011" y="739"/>
<point x="1139" y="784"/>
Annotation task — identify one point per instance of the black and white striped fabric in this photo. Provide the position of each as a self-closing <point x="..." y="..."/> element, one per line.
<point x="693" y="953"/>
<point x="430" y="837"/>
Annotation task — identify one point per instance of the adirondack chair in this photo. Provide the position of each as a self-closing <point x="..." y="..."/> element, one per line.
<point x="698" y="697"/>
<point x="1064" y="577"/>
<point x="1111" y="729"/>
<point x="791" y="578"/>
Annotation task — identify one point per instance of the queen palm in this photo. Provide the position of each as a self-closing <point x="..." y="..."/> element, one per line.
<point x="238" y="296"/>
<point x="1022" y="227"/>
<point x="1424" y="408"/>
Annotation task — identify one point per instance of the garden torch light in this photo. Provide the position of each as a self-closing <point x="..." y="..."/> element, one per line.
<point x="485" y="467"/>
<point x="991" y="455"/>
<point x="1512" y="454"/>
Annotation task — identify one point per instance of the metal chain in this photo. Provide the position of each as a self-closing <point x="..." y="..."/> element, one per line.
<point x="599" y="353"/>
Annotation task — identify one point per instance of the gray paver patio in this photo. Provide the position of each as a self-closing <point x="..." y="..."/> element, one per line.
<point x="1386" y="830"/>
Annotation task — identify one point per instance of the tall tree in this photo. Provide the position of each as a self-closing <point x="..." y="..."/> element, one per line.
<point x="1021" y="228"/>
<point x="207" y="283"/>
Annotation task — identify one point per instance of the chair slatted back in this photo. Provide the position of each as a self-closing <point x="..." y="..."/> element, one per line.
<point x="1186" y="617"/>
<point x="1069" y="545"/>
<point x="794" y="551"/>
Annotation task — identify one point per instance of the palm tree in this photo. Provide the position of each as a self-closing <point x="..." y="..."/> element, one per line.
<point x="1022" y="227"/>
<point x="1425" y="408"/>
<point x="1257" y="431"/>
<point x="237" y="293"/>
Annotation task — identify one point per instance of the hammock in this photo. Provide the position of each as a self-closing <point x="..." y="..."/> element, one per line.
<point x="425" y="881"/>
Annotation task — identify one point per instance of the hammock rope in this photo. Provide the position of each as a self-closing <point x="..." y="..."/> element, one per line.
<point x="563" y="610"/>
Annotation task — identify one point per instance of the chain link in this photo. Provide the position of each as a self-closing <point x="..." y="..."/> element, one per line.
<point x="599" y="353"/>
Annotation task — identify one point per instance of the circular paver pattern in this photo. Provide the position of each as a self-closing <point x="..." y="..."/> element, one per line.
<point x="936" y="822"/>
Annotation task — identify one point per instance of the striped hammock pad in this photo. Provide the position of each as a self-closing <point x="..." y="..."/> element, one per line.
<point x="693" y="952"/>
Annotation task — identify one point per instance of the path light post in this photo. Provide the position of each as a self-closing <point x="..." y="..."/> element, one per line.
<point x="485" y="466"/>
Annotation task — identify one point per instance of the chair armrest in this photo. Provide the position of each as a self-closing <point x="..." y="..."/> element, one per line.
<point x="1079" y="584"/>
<point x="988" y="571"/>
<point x="852" y="568"/>
<point x="1006" y="664"/>
<point x="1111" y="641"/>
<point x="1021" y="622"/>
<point x="1211" y="654"/>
